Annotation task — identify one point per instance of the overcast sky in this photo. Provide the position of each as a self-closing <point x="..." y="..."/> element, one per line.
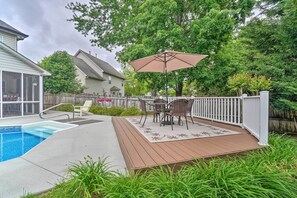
<point x="45" y="21"/>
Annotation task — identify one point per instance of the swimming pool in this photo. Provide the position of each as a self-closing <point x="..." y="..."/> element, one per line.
<point x="17" y="140"/>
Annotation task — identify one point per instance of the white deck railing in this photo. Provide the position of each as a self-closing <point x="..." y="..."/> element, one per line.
<point x="255" y="116"/>
<point x="221" y="109"/>
<point x="249" y="112"/>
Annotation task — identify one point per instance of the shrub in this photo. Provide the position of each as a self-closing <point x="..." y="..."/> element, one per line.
<point x="115" y="111"/>
<point x="65" y="107"/>
<point x="132" y="111"/>
<point x="99" y="110"/>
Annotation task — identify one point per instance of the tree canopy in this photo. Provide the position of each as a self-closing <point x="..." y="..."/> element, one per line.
<point x="62" y="68"/>
<point x="264" y="47"/>
<point x="147" y="27"/>
<point x="270" y="49"/>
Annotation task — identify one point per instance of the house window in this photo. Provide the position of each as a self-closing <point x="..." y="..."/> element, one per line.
<point x="109" y="79"/>
<point x="3" y="87"/>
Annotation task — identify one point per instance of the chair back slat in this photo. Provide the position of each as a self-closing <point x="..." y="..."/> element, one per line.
<point x="87" y="105"/>
<point x="142" y="105"/>
<point x="159" y="107"/>
<point x="179" y="107"/>
<point x="190" y="105"/>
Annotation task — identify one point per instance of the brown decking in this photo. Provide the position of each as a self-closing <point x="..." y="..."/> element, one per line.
<point x="140" y="154"/>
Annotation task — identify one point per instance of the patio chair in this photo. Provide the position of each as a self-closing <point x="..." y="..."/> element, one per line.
<point x="83" y="109"/>
<point x="158" y="108"/>
<point x="178" y="108"/>
<point x="190" y="105"/>
<point x="144" y="111"/>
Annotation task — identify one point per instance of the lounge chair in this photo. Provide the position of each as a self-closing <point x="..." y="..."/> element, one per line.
<point x="83" y="109"/>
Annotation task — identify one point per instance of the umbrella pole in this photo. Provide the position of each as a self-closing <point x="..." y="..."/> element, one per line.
<point x="166" y="79"/>
<point x="166" y="88"/>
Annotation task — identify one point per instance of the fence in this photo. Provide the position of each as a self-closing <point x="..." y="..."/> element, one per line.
<point x="250" y="112"/>
<point x="283" y="121"/>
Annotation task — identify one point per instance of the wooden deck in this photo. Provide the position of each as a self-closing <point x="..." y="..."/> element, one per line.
<point x="140" y="154"/>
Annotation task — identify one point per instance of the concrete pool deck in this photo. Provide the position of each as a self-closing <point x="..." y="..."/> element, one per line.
<point x="46" y="164"/>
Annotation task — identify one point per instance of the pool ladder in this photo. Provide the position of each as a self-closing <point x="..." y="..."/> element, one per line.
<point x="45" y="110"/>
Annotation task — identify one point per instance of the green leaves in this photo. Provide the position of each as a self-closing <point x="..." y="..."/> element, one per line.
<point x="244" y="83"/>
<point x="266" y="172"/>
<point x="147" y="27"/>
<point x="63" y="79"/>
<point x="239" y="83"/>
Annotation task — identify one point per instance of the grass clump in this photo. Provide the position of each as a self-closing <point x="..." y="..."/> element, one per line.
<point x="268" y="172"/>
<point x="123" y="186"/>
<point x="86" y="179"/>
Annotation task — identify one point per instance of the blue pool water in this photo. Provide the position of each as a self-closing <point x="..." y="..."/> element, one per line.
<point x="17" y="140"/>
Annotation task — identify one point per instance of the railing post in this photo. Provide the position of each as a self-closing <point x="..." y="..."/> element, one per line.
<point x="243" y="110"/>
<point x="264" y="116"/>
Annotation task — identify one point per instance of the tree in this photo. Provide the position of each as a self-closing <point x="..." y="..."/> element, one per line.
<point x="259" y="83"/>
<point x="239" y="83"/>
<point x="133" y="87"/>
<point x="244" y="83"/>
<point x="63" y="78"/>
<point x="273" y="39"/>
<point x="147" y="27"/>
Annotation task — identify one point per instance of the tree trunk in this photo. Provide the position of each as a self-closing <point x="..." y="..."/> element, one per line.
<point x="179" y="88"/>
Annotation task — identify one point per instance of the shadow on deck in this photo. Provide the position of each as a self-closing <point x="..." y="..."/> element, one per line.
<point x="140" y="154"/>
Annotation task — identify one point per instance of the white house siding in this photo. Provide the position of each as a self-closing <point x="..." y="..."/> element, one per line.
<point x="115" y="81"/>
<point x="9" y="62"/>
<point x="80" y="76"/>
<point x="94" y="86"/>
<point x="90" y="63"/>
<point x="9" y="40"/>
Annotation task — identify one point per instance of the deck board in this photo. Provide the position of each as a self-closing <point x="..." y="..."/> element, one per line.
<point x="140" y="154"/>
<point x="148" y="150"/>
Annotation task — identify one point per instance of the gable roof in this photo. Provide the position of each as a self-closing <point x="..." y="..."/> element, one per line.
<point x="86" y="69"/>
<point x="24" y="59"/>
<point x="115" y="88"/>
<point x="106" y="67"/>
<point x="8" y="28"/>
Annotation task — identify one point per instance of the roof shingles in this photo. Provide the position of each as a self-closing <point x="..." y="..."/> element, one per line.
<point x="8" y="28"/>
<point x="85" y="68"/>
<point x="107" y="68"/>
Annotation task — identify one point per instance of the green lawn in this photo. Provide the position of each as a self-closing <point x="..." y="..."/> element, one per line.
<point x="268" y="172"/>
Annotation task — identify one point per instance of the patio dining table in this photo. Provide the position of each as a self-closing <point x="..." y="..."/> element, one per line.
<point x="164" y="110"/>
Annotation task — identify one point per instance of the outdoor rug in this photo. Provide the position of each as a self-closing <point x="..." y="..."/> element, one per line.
<point x="153" y="132"/>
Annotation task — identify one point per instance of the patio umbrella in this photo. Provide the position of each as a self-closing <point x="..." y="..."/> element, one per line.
<point x="165" y="62"/>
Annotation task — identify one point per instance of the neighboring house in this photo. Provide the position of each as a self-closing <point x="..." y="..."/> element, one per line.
<point x="98" y="76"/>
<point x="21" y="80"/>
